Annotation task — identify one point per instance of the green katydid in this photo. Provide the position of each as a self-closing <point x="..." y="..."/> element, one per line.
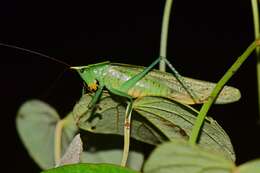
<point x="134" y="81"/>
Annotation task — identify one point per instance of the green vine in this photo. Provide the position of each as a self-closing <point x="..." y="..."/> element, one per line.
<point x="164" y="33"/>
<point x="255" y="12"/>
<point x="206" y="106"/>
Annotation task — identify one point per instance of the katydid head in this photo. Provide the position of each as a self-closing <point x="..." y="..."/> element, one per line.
<point x="91" y="73"/>
<point x="86" y="73"/>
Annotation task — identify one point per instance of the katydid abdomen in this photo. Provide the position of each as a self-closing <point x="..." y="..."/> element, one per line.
<point x="157" y="83"/>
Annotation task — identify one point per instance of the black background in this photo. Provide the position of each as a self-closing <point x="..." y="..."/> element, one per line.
<point x="204" y="40"/>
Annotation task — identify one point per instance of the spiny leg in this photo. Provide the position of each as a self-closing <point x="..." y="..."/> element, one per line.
<point x="182" y="81"/>
<point x="93" y="101"/>
<point x="132" y="81"/>
<point x="96" y="96"/>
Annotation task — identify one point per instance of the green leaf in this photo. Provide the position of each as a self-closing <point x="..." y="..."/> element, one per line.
<point x="108" y="118"/>
<point x="36" y="122"/>
<point x="90" y="168"/>
<point x="153" y="119"/>
<point x="249" y="167"/>
<point x="180" y="157"/>
<point x="114" y="156"/>
<point x="176" y="121"/>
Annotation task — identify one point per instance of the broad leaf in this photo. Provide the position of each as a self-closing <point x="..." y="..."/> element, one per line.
<point x="176" y="121"/>
<point x="153" y="119"/>
<point x="108" y="118"/>
<point x="180" y="157"/>
<point x="36" y="123"/>
<point x="249" y="167"/>
<point x="90" y="168"/>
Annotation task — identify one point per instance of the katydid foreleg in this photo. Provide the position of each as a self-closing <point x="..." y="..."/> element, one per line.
<point x="94" y="100"/>
<point x="96" y="96"/>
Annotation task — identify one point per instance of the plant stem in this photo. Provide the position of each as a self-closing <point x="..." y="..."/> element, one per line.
<point x="57" y="141"/>
<point x="255" y="12"/>
<point x="231" y="71"/>
<point x="164" y="33"/>
<point x="58" y="136"/>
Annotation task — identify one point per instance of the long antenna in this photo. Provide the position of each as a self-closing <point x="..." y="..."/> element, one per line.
<point x="34" y="52"/>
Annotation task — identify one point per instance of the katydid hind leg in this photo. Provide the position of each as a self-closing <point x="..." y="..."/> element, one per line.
<point x="182" y="81"/>
<point x="132" y="81"/>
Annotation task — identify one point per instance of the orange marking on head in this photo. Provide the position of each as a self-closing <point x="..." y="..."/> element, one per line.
<point x="93" y="86"/>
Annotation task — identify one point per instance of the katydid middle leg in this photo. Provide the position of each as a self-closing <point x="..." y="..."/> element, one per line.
<point x="181" y="80"/>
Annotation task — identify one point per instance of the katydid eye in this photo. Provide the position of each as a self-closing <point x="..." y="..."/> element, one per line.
<point x="82" y="70"/>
